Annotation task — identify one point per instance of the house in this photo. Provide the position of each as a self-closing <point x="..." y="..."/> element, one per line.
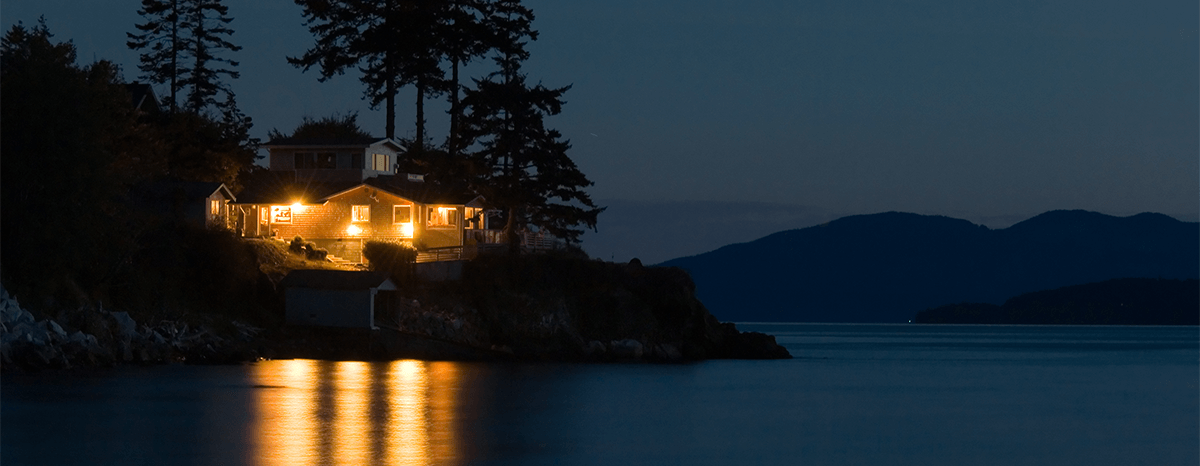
<point x="196" y="203"/>
<point x="334" y="159"/>
<point x="333" y="298"/>
<point x="340" y="203"/>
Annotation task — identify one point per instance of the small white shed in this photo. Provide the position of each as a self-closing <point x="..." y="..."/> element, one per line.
<point x="333" y="298"/>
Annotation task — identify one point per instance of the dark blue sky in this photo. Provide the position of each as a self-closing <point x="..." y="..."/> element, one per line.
<point x="981" y="109"/>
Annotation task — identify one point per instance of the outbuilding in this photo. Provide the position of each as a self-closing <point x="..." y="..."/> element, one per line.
<point x="333" y="298"/>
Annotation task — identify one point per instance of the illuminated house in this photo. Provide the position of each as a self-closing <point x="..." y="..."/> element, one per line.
<point x="321" y="191"/>
<point x="334" y="159"/>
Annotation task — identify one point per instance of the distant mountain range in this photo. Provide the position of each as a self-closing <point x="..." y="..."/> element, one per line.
<point x="887" y="267"/>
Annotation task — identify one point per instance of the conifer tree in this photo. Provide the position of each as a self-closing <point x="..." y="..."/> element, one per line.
<point x="393" y="42"/>
<point x="181" y="43"/>
<point x="521" y="166"/>
<point x="163" y="45"/>
<point x="208" y="22"/>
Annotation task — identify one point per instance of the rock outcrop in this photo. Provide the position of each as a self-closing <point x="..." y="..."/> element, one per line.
<point x="97" y="337"/>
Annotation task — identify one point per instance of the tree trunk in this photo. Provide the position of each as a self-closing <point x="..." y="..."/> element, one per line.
<point x="175" y="51"/>
<point x="512" y="230"/>
<point x="420" y="137"/>
<point x="390" y="125"/>
<point x="452" y="141"/>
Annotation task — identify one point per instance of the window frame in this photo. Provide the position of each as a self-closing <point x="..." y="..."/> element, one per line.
<point x="395" y="219"/>
<point x="357" y="213"/>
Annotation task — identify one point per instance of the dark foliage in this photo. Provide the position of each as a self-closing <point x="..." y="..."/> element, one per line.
<point x="330" y="127"/>
<point x="70" y="150"/>
<point x="395" y="259"/>
<point x="73" y="235"/>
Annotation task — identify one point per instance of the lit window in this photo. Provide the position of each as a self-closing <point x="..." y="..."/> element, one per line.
<point x="402" y="214"/>
<point x="214" y="207"/>
<point x="264" y="215"/>
<point x="360" y="213"/>
<point x="474" y="218"/>
<point x="281" y="214"/>
<point x="443" y="217"/>
<point x="381" y="162"/>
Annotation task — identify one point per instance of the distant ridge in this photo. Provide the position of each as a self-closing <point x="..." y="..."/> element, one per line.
<point x="1121" y="301"/>
<point x="885" y="267"/>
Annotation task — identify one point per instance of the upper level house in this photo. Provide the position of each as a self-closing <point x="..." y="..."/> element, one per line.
<point x="334" y="159"/>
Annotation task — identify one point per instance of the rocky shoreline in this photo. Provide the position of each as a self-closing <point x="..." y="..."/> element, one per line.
<point x="640" y="315"/>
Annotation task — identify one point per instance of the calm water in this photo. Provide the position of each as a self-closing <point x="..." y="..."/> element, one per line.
<point x="856" y="394"/>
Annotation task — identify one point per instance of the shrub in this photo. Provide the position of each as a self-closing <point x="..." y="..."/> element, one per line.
<point x="297" y="245"/>
<point x="313" y="253"/>
<point x="396" y="259"/>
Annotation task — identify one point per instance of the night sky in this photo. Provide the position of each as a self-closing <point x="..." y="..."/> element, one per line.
<point x="978" y="110"/>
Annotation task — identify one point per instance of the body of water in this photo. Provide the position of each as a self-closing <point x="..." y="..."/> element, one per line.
<point x="855" y="394"/>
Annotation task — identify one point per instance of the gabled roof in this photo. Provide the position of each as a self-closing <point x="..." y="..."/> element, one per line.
<point x="285" y="188"/>
<point x="357" y="142"/>
<point x="337" y="280"/>
<point x="143" y="97"/>
<point x="420" y="191"/>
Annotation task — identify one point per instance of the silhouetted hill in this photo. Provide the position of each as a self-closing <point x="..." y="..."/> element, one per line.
<point x="1124" y="301"/>
<point x="886" y="267"/>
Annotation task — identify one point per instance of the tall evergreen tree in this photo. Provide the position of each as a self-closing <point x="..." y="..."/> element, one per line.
<point x="181" y="43"/>
<point x="522" y="166"/>
<point x="163" y="45"/>
<point x="393" y="42"/>
<point x="208" y="22"/>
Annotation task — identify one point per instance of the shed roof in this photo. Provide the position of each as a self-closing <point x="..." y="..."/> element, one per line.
<point x="337" y="280"/>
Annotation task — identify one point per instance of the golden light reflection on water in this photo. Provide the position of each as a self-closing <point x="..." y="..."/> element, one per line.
<point x="287" y="412"/>
<point x="394" y="413"/>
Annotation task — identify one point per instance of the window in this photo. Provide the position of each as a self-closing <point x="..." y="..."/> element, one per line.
<point x="356" y="161"/>
<point x="473" y="220"/>
<point x="309" y="160"/>
<point x="305" y="160"/>
<point x="326" y="161"/>
<point x="443" y="217"/>
<point x="281" y="214"/>
<point x="381" y="162"/>
<point x="360" y="213"/>
<point x="264" y="215"/>
<point x="214" y="208"/>
<point x="402" y="214"/>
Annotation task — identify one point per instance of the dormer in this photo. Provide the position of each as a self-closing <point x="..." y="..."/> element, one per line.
<point x="337" y="159"/>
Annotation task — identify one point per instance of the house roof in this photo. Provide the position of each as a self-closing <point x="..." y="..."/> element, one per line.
<point x="143" y="97"/>
<point x="337" y="280"/>
<point x="186" y="190"/>
<point x="330" y="142"/>
<point x="285" y="188"/>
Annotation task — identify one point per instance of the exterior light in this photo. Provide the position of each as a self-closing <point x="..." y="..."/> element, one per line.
<point x="406" y="230"/>
<point x="353" y="230"/>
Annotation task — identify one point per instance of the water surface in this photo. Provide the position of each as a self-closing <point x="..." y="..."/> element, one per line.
<point x="855" y="394"/>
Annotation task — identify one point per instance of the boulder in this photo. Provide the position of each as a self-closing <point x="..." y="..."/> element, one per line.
<point x="626" y="349"/>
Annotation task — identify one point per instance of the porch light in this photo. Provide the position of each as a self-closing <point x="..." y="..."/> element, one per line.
<point x="406" y="230"/>
<point x="353" y="230"/>
<point x="297" y="207"/>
